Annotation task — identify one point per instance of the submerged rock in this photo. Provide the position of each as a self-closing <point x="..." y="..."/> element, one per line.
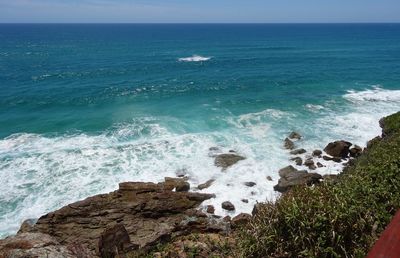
<point x="288" y="144"/>
<point x="226" y="160"/>
<point x="338" y="149"/>
<point x="206" y="184"/>
<point x="294" y="135"/>
<point x="269" y="178"/>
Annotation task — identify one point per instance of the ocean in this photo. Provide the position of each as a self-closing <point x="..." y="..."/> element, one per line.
<point x="84" y="107"/>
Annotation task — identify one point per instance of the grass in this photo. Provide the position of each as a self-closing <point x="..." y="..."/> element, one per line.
<point x="340" y="219"/>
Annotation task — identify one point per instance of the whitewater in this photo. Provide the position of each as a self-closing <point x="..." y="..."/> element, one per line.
<point x="42" y="173"/>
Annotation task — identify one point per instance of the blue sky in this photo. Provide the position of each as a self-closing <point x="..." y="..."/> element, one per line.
<point x="203" y="11"/>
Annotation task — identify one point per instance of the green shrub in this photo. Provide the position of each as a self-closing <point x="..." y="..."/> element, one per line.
<point x="340" y="219"/>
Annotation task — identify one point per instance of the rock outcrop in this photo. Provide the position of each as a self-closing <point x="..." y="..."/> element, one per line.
<point x="136" y="216"/>
<point x="338" y="149"/>
<point x="226" y="160"/>
<point x="290" y="177"/>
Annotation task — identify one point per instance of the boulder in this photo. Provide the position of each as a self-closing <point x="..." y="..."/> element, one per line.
<point x="206" y="184"/>
<point x="249" y="184"/>
<point x="288" y="144"/>
<point x="338" y="149"/>
<point x="210" y="209"/>
<point x="136" y="215"/>
<point x="355" y="151"/>
<point x="298" y="152"/>
<point x="297" y="160"/>
<point x="228" y="206"/>
<point x="226" y="160"/>
<point x="310" y="164"/>
<point x="182" y="187"/>
<point x="291" y="177"/>
<point x="317" y="153"/>
<point x="294" y="135"/>
<point x="240" y="220"/>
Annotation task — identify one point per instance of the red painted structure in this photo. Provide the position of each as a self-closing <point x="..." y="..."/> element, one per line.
<point x="388" y="245"/>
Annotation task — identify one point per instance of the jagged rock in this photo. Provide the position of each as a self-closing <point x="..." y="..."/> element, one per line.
<point x="210" y="209"/>
<point x="317" y="153"/>
<point x="294" y="135"/>
<point x="27" y="245"/>
<point x="297" y="160"/>
<point x="291" y="177"/>
<point x="249" y="184"/>
<point x="228" y="206"/>
<point x="27" y="225"/>
<point x="338" y="149"/>
<point x="319" y="164"/>
<point x="150" y="213"/>
<point x="206" y="184"/>
<point x="115" y="242"/>
<point x="182" y="187"/>
<point x="240" y="220"/>
<point x="298" y="152"/>
<point x="245" y="200"/>
<point x="355" y="151"/>
<point x="227" y="219"/>
<point x="286" y="170"/>
<point x="226" y="160"/>
<point x="288" y="144"/>
<point x="269" y="178"/>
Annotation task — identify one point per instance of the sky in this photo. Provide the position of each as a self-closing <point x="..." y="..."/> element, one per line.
<point x="199" y="11"/>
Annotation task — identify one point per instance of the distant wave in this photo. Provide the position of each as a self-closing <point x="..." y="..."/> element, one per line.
<point x="373" y="95"/>
<point x="194" y="58"/>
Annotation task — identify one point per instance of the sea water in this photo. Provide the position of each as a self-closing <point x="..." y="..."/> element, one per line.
<point x="84" y="107"/>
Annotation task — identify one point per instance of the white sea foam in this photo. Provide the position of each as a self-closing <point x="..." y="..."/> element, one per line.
<point x="194" y="58"/>
<point x="40" y="174"/>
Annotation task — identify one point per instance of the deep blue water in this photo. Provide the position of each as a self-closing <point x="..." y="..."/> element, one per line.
<point x="83" y="107"/>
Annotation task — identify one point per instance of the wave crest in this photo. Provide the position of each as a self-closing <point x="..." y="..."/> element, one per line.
<point x="194" y="58"/>
<point x="373" y="95"/>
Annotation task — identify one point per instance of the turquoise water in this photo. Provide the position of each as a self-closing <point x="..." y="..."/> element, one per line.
<point x="83" y="107"/>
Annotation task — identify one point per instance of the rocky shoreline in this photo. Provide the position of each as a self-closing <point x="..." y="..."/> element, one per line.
<point x="139" y="216"/>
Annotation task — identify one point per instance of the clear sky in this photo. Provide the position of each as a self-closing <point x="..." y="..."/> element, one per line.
<point x="199" y="11"/>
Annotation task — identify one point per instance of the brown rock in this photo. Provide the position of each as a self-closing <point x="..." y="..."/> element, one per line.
<point x="338" y="149"/>
<point x="226" y="160"/>
<point x="149" y="213"/>
<point x="115" y="242"/>
<point x="228" y="206"/>
<point x="298" y="151"/>
<point x="27" y="225"/>
<point x="210" y="209"/>
<point x="240" y="220"/>
<point x="288" y="144"/>
<point x="291" y="177"/>
<point x="319" y="164"/>
<point x="182" y="187"/>
<point x="206" y="184"/>
<point x="335" y="159"/>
